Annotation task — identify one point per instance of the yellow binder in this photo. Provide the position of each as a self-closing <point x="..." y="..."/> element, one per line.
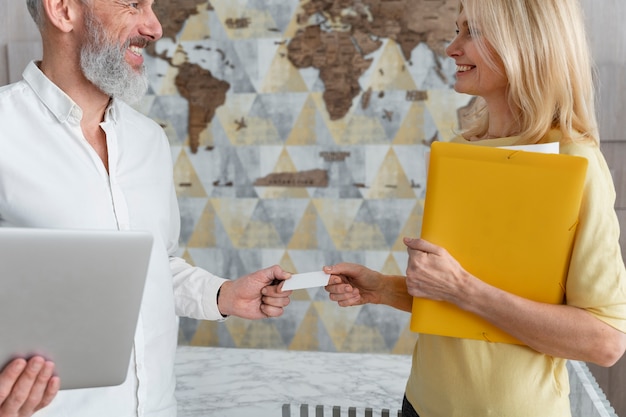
<point x="509" y="217"/>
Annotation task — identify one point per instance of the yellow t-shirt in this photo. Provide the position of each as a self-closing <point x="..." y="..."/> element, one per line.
<point x="462" y="377"/>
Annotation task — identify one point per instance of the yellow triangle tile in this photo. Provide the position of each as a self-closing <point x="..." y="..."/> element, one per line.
<point x="258" y="131"/>
<point x="294" y="26"/>
<point x="203" y="235"/>
<point x="364" y="339"/>
<point x="338" y="321"/>
<point x="169" y="129"/>
<point x="284" y="192"/>
<point x="412" y="227"/>
<point x="364" y="236"/>
<point x="196" y="27"/>
<point x="337" y="216"/>
<point x="300" y="295"/>
<point x="282" y="76"/>
<point x="262" y="334"/>
<point x="233" y="114"/>
<point x="390" y="72"/>
<point x="205" y="138"/>
<point x="411" y="132"/>
<point x="236" y="106"/>
<point x="287" y="264"/>
<point x="229" y="10"/>
<point x="168" y="82"/>
<point x="284" y="164"/>
<point x="235" y="215"/>
<point x="306" y="337"/>
<point x="305" y="234"/>
<point x="186" y="179"/>
<point x="260" y="235"/>
<point x="206" y="334"/>
<point x="187" y="257"/>
<point x="237" y="328"/>
<point x="303" y="132"/>
<point x="391" y="267"/>
<point x="363" y="130"/>
<point x="406" y="342"/>
<point x="391" y="181"/>
<point x="336" y="128"/>
<point x="443" y="106"/>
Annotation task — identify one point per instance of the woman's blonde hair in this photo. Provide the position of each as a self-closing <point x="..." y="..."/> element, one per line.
<point x="545" y="52"/>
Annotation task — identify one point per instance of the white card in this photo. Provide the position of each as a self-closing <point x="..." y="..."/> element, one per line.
<point x="306" y="280"/>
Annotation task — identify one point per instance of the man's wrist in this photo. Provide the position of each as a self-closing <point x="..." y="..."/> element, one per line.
<point x="217" y="301"/>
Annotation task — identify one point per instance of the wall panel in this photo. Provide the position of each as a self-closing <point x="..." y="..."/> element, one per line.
<point x="15" y="25"/>
<point x="613" y="380"/>
<point x="608" y="43"/>
<point x="4" y="34"/>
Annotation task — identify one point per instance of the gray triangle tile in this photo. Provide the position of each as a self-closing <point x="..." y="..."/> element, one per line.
<point x="285" y="215"/>
<point x="288" y="323"/>
<point x="224" y="336"/>
<point x="187" y="327"/>
<point x="283" y="109"/>
<point x="190" y="211"/>
<point x="389" y="215"/>
<point x="389" y="322"/>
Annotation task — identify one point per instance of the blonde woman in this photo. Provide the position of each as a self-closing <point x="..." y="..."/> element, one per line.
<point x="528" y="62"/>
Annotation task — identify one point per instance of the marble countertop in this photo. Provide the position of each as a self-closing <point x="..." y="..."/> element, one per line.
<point x="228" y="382"/>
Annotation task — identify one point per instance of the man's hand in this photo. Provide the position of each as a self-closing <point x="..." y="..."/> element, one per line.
<point x="27" y="386"/>
<point x="255" y="296"/>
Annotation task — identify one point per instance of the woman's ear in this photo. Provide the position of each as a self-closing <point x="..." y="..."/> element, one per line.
<point x="62" y="14"/>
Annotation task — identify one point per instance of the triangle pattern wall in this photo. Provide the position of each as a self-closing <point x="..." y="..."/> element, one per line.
<point x="274" y="120"/>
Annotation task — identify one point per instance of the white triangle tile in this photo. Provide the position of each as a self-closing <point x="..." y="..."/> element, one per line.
<point x="256" y="56"/>
<point x="282" y="11"/>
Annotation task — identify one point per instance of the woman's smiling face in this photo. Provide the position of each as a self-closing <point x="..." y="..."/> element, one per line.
<point x="475" y="74"/>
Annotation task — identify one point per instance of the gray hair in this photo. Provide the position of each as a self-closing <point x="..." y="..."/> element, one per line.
<point x="35" y="8"/>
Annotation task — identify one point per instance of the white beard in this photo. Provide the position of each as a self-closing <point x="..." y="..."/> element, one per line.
<point x="102" y="62"/>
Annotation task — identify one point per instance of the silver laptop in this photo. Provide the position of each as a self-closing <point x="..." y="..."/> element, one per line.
<point x="72" y="296"/>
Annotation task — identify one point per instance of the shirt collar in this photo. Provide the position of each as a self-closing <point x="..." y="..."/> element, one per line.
<point x="113" y="110"/>
<point x="59" y="103"/>
<point x="55" y="99"/>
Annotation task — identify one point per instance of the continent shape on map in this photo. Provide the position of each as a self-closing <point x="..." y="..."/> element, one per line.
<point x="204" y="92"/>
<point x="345" y="32"/>
<point x="174" y="14"/>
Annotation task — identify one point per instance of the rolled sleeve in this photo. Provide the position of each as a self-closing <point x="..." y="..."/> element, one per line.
<point x="195" y="291"/>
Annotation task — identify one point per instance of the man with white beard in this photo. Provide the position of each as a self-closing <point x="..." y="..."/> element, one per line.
<point x="74" y="154"/>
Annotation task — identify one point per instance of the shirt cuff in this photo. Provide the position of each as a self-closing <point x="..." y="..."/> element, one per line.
<point x="217" y="298"/>
<point x="209" y="301"/>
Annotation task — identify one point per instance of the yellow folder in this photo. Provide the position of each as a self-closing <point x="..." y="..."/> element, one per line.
<point x="509" y="217"/>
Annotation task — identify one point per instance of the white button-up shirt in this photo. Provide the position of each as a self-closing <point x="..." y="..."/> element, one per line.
<point x="50" y="177"/>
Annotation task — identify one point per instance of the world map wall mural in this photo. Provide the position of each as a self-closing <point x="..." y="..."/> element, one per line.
<point x="298" y="132"/>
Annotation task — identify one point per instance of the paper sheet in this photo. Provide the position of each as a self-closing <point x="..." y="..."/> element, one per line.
<point x="551" y="147"/>
<point x="306" y="280"/>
